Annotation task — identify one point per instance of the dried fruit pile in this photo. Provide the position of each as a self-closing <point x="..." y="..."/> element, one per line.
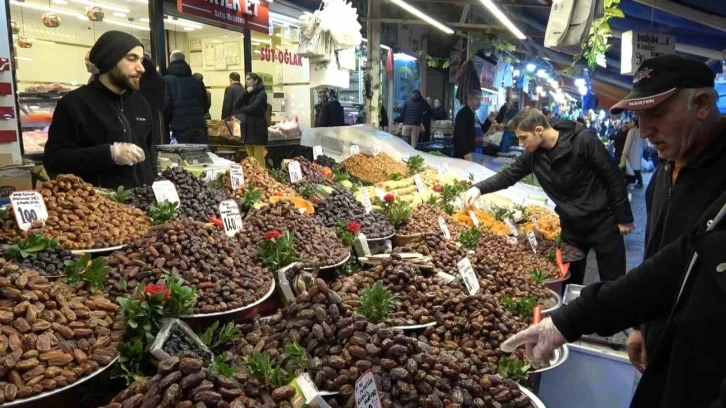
<point x="257" y="176"/>
<point x="445" y="254"/>
<point x="425" y="218"/>
<point x="197" y="199"/>
<point x="374" y="169"/>
<point x="340" y="205"/>
<point x="311" y="174"/>
<point x="225" y="275"/>
<point x="52" y="334"/>
<point x="49" y="262"/>
<point x="315" y="244"/>
<point x="80" y="218"/>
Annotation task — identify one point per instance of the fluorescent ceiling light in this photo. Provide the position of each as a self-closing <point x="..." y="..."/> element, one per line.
<point x="104" y="5"/>
<point x="579" y="82"/>
<point x="60" y="2"/>
<point x="531" y="67"/>
<point x="188" y="28"/>
<point x="422" y="16"/>
<point x="404" y="57"/>
<point x="503" y="19"/>
<point x="119" y="14"/>
<point x="24" y="59"/>
<point x="45" y="8"/>
<point x="282" y="18"/>
<point x="183" y="23"/>
<point x="126" y="24"/>
<point x="144" y="20"/>
<point x="538" y="89"/>
<point x="516" y="72"/>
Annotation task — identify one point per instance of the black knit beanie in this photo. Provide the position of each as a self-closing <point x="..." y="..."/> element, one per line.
<point x="110" y="48"/>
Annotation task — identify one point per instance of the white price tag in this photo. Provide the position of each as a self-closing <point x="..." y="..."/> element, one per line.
<point x="317" y="151"/>
<point x="419" y="183"/>
<point x="236" y="176"/>
<point x="380" y="193"/>
<point x="366" y="392"/>
<point x="532" y="241"/>
<point x="295" y="171"/>
<point x="354" y="149"/>
<point x="164" y="190"/>
<point x="389" y="246"/>
<point x="446" y="277"/>
<point x="442" y="175"/>
<point x="446" y="168"/>
<point x="512" y="227"/>
<point x="534" y="221"/>
<point x="376" y="148"/>
<point x="444" y="228"/>
<point x="468" y="276"/>
<point x="231" y="218"/>
<point x="28" y="206"/>
<point x="211" y="175"/>
<point x="366" y="199"/>
<point x="474" y="218"/>
<point x="512" y="241"/>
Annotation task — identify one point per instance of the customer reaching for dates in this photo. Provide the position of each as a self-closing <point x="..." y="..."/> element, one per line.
<point x="685" y="281"/>
<point x="577" y="173"/>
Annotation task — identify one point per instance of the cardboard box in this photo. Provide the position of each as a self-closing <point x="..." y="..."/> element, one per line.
<point x="14" y="179"/>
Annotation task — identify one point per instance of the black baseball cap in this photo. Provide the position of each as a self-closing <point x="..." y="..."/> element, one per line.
<point x="658" y="78"/>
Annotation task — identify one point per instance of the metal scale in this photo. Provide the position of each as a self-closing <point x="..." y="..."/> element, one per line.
<point x="184" y="154"/>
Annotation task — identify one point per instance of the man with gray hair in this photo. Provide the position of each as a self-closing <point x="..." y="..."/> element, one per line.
<point x="185" y="102"/>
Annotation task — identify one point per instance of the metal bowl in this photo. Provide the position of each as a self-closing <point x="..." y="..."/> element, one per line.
<point x="98" y="251"/>
<point x="559" y="356"/>
<point x="535" y="401"/>
<point x="380" y="239"/>
<point x="553" y="303"/>
<point x="415" y="326"/>
<point x="333" y="266"/>
<point x="57" y="391"/>
<point x="237" y="310"/>
<point x="556" y="284"/>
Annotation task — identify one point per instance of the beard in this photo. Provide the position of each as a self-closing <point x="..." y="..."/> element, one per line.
<point x="122" y="80"/>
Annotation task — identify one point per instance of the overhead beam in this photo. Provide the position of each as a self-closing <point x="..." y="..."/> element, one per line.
<point x="461" y="26"/>
<point x="707" y="19"/>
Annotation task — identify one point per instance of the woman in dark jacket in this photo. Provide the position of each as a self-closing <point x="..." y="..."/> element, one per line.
<point x="439" y="111"/>
<point x="252" y="104"/>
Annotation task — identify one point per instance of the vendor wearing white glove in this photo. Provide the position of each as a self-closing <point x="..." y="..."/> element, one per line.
<point x="103" y="132"/>
<point x="577" y="173"/>
<point x="688" y="367"/>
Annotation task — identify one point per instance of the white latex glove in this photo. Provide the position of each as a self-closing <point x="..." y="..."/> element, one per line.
<point x="539" y="341"/>
<point x="470" y="196"/>
<point x="127" y="154"/>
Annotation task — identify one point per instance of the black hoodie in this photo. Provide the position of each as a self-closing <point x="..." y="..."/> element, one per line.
<point x="185" y="101"/>
<point x="86" y="122"/>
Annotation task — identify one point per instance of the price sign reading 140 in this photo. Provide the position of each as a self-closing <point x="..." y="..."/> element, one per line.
<point x="231" y="218"/>
<point x="28" y="206"/>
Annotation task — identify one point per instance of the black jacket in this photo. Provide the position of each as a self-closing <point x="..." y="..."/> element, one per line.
<point x="414" y="109"/>
<point x="253" y="107"/>
<point x="151" y="87"/>
<point x="464" y="135"/>
<point x="440" y="113"/>
<point x="231" y="94"/>
<point x="331" y="114"/>
<point x="185" y="100"/>
<point x="688" y="367"/>
<point x="674" y="209"/>
<point x="577" y="174"/>
<point x="86" y="122"/>
<point x="619" y="139"/>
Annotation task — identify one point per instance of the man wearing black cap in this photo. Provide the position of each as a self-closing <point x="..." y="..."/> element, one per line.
<point x="103" y="132"/>
<point x="675" y="100"/>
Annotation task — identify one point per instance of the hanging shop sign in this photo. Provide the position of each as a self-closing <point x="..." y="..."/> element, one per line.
<point x="637" y="47"/>
<point x="245" y="14"/>
<point x="281" y="57"/>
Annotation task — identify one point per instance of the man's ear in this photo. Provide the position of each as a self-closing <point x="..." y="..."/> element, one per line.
<point x="704" y="104"/>
<point x="538" y="130"/>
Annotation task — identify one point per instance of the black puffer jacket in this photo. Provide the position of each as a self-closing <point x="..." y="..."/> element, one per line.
<point x="253" y="107"/>
<point x="414" y="109"/>
<point x="331" y="114"/>
<point x="231" y="94"/>
<point x="185" y="101"/>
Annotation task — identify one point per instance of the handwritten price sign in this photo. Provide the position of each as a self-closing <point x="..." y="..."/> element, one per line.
<point x="28" y="207"/>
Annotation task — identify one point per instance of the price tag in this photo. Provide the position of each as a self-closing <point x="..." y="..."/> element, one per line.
<point x="211" y="175"/>
<point x="532" y="241"/>
<point x="446" y="168"/>
<point x="354" y="149"/>
<point x="285" y="283"/>
<point x="366" y="393"/>
<point x="442" y="175"/>
<point x="295" y="171"/>
<point x="317" y="151"/>
<point x="28" y="206"/>
<point x="512" y="241"/>
<point x="512" y="227"/>
<point x="419" y="183"/>
<point x="380" y="193"/>
<point x="389" y="246"/>
<point x="366" y="199"/>
<point x="474" y="218"/>
<point x="444" y="228"/>
<point x="446" y="277"/>
<point x="164" y="190"/>
<point x="306" y="392"/>
<point x="534" y="221"/>
<point x="236" y="176"/>
<point x="231" y="218"/>
<point x="376" y="148"/>
<point x="468" y="276"/>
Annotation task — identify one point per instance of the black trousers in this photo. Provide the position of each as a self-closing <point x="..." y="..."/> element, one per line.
<point x="609" y="248"/>
<point x="198" y="136"/>
<point x="636" y="178"/>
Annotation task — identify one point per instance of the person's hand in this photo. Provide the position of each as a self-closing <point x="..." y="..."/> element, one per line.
<point x="470" y="196"/>
<point x="539" y="341"/>
<point x="127" y="154"/>
<point x="636" y="350"/>
<point x="626" y="229"/>
<point x="622" y="164"/>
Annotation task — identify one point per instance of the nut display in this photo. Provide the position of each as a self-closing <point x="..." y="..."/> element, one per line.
<point x="51" y="334"/>
<point x="315" y="244"/>
<point x="374" y="169"/>
<point x="329" y="162"/>
<point x="340" y="205"/>
<point x="311" y="174"/>
<point x="197" y="199"/>
<point x="257" y="176"/>
<point x="425" y="218"/>
<point x="224" y="275"/>
<point x="548" y="223"/>
<point x="80" y="218"/>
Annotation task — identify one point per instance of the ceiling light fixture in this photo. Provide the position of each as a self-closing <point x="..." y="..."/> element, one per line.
<point x="126" y="24"/>
<point x="404" y="57"/>
<point x="104" y="5"/>
<point x="45" y="8"/>
<point x="422" y="16"/>
<point x="119" y="14"/>
<point x="579" y="82"/>
<point x="144" y="20"/>
<point x="531" y="67"/>
<point x="188" y="28"/>
<point x="183" y="23"/>
<point x="503" y="19"/>
<point x="60" y="2"/>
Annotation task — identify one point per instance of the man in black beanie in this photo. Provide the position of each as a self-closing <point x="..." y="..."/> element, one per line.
<point x="103" y="132"/>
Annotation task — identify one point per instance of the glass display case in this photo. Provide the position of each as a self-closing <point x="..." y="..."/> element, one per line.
<point x="36" y="113"/>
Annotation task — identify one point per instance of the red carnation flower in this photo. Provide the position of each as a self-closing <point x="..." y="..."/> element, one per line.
<point x="353" y="227"/>
<point x="274" y="234"/>
<point x="153" y="289"/>
<point x="437" y="187"/>
<point x="389" y="198"/>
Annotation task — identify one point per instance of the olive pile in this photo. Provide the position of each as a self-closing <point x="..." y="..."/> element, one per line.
<point x="178" y="345"/>
<point x="340" y="205"/>
<point x="49" y="262"/>
<point x="329" y="162"/>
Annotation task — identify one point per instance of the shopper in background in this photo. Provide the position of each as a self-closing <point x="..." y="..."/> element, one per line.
<point x="676" y="104"/>
<point x="439" y="111"/>
<point x="383" y="118"/>
<point x="618" y="139"/>
<point x="577" y="173"/>
<point x="252" y="104"/>
<point x="185" y="102"/>
<point x="231" y="94"/>
<point x="322" y="98"/>
<point x="200" y="78"/>
<point x="502" y="115"/>
<point x="465" y="127"/>
<point x="90" y="68"/>
<point x="428" y="116"/>
<point x="104" y="132"/>
<point x="331" y="112"/>
<point x="633" y="156"/>
<point x="547" y="113"/>
<point x="151" y="87"/>
<point x="412" y="113"/>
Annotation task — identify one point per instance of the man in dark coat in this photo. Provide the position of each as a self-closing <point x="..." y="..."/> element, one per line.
<point x="231" y="94"/>
<point x="185" y="102"/>
<point x="252" y="105"/>
<point x="413" y="110"/>
<point x="331" y="112"/>
<point x="577" y="173"/>
<point x="151" y="87"/>
<point x="618" y="139"/>
<point x="104" y="132"/>
<point x="465" y="127"/>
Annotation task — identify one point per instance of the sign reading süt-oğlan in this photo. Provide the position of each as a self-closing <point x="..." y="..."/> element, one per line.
<point x="280" y="56"/>
<point x="246" y="14"/>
